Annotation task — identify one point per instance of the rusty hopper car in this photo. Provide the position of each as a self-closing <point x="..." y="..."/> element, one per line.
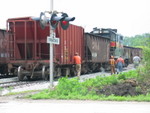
<point x="29" y="50"/>
<point x="130" y="52"/>
<point x="96" y="52"/>
<point x="4" y="47"/>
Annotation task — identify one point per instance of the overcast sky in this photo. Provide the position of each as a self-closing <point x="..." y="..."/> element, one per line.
<point x="130" y="17"/>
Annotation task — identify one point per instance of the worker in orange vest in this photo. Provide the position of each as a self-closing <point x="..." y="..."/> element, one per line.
<point x="112" y="64"/>
<point x="77" y="62"/>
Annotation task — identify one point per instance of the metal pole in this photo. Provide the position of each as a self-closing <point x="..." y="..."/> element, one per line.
<point x="51" y="50"/>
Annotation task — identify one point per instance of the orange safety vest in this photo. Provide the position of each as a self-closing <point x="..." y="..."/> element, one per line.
<point x="77" y="59"/>
<point x="112" y="62"/>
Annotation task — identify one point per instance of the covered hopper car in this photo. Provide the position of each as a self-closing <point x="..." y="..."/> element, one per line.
<point x="4" y="47"/>
<point x="96" y="52"/>
<point x="130" y="52"/>
<point x="29" y="50"/>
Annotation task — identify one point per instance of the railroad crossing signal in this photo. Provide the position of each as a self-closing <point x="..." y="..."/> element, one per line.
<point x="43" y="20"/>
<point x="54" y="20"/>
<point x="65" y="22"/>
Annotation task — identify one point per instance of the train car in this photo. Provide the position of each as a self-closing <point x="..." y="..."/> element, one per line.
<point x="4" y="47"/>
<point x="24" y="49"/>
<point x="29" y="50"/>
<point x="116" y="43"/>
<point x="96" y="52"/>
<point x="116" y="40"/>
<point x="130" y="52"/>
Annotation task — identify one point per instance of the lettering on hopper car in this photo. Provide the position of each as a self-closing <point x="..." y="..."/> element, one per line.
<point x="94" y="55"/>
<point x="3" y="55"/>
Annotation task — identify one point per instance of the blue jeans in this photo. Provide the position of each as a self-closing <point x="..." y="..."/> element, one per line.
<point x="119" y="66"/>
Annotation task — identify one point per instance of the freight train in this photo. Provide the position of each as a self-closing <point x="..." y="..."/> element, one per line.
<point x="24" y="50"/>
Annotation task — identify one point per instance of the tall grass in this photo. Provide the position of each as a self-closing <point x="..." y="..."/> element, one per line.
<point x="73" y="89"/>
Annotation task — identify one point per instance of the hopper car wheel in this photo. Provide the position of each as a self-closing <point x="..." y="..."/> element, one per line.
<point x="44" y="74"/>
<point x="20" y="75"/>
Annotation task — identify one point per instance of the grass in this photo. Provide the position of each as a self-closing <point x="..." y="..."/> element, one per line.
<point x="1" y="88"/>
<point x="138" y="98"/>
<point x="73" y="89"/>
<point x="22" y="92"/>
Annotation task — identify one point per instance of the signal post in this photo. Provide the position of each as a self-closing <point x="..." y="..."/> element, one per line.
<point x="53" y="21"/>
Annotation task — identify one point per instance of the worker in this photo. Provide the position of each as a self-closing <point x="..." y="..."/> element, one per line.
<point x="120" y="64"/>
<point x="112" y="64"/>
<point x="77" y="62"/>
<point x="136" y="61"/>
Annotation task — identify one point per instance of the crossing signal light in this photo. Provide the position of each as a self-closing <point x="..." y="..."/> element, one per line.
<point x="65" y="22"/>
<point x="54" y="20"/>
<point x="43" y="20"/>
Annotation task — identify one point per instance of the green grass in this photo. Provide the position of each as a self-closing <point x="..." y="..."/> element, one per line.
<point x="1" y="88"/>
<point x="22" y="92"/>
<point x="73" y="89"/>
<point x="139" y="98"/>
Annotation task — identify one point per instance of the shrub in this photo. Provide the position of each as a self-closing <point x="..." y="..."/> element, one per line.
<point x="70" y="87"/>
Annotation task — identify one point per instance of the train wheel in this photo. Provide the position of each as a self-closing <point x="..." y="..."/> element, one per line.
<point x="44" y="74"/>
<point x="20" y="75"/>
<point x="57" y="72"/>
<point x="67" y="72"/>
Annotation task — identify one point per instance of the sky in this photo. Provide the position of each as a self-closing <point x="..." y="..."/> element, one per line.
<point x="129" y="17"/>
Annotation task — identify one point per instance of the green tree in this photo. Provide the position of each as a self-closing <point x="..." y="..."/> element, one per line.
<point x="137" y="40"/>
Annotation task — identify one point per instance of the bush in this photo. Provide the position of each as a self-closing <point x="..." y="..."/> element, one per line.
<point x="74" y="89"/>
<point x="70" y="87"/>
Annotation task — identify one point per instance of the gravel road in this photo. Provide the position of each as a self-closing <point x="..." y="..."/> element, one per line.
<point x="72" y="106"/>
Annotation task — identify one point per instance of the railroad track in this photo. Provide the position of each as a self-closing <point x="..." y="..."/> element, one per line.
<point x="3" y="76"/>
<point x="20" y="86"/>
<point x="7" y="80"/>
<point x="10" y="82"/>
<point x="14" y="82"/>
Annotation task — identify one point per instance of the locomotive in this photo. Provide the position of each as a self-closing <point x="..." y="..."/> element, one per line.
<point x="26" y="51"/>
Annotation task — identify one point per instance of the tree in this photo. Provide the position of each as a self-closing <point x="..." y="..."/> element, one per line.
<point x="137" y="40"/>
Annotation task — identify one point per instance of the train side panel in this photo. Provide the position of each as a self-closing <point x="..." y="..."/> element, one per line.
<point x="97" y="48"/>
<point x="71" y="41"/>
<point x="31" y="50"/>
<point x="4" y="36"/>
<point x="96" y="52"/>
<point x="30" y="41"/>
<point x="130" y="52"/>
<point x="4" y="47"/>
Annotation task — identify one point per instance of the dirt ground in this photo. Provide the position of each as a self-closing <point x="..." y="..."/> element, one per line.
<point x="120" y="89"/>
<point x="130" y="87"/>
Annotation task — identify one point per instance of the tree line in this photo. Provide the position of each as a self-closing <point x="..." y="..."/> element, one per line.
<point x="142" y="41"/>
<point x="138" y="40"/>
